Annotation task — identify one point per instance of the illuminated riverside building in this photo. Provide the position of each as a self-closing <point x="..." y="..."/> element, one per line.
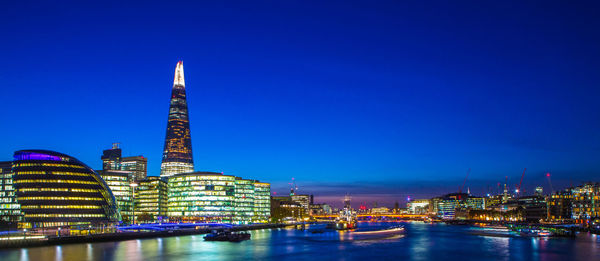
<point x="151" y="200"/>
<point x="214" y="197"/>
<point x="201" y="196"/>
<point x="137" y="165"/>
<point x="303" y="200"/>
<point x="284" y="209"/>
<point x="262" y="202"/>
<point x="177" y="152"/>
<point x="445" y="207"/>
<point x="10" y="210"/>
<point x="119" y="182"/>
<point x="559" y="206"/>
<point x="586" y="202"/>
<point x="55" y="189"/>
<point x="244" y="201"/>
<point x="418" y="206"/>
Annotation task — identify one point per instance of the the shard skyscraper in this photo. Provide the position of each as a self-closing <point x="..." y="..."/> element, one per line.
<point x="177" y="154"/>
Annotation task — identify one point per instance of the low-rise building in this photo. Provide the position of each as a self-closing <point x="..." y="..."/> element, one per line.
<point x="418" y="206"/>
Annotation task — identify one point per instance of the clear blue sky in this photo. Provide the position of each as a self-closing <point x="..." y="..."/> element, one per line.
<point x="377" y="99"/>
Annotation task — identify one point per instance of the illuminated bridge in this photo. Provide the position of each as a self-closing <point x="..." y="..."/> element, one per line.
<point x="369" y="217"/>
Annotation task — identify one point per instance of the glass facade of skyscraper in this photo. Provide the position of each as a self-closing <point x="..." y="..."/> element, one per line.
<point x="55" y="189"/>
<point x="177" y="152"/>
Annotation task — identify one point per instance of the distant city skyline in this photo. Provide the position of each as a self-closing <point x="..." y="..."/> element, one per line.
<point x="389" y="100"/>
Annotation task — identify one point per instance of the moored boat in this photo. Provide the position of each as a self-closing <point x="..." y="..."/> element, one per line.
<point x="227" y="236"/>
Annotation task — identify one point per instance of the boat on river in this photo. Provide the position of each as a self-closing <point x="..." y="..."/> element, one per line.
<point x="227" y="236"/>
<point x="347" y="219"/>
<point x="386" y="231"/>
<point x="532" y="232"/>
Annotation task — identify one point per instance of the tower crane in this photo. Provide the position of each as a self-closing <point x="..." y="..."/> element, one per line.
<point x="519" y="190"/>
<point x="464" y="182"/>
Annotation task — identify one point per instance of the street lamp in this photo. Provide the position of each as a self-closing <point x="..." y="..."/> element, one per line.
<point x="133" y="185"/>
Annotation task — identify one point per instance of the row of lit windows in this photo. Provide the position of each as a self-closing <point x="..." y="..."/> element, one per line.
<point x="56" y="181"/>
<point x="201" y="178"/>
<point x="61" y="206"/>
<point x="48" y="165"/>
<point x="58" y="189"/>
<point x="31" y="172"/>
<point x="63" y="215"/>
<point x="60" y="198"/>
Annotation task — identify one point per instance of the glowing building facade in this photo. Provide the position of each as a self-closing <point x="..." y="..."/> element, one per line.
<point x="262" y="202"/>
<point x="201" y="196"/>
<point x="151" y="200"/>
<point x="586" y="202"/>
<point x="177" y="152"/>
<point x="214" y="197"/>
<point x="55" y="189"/>
<point x="137" y="165"/>
<point x="10" y="210"/>
<point x="244" y="201"/>
<point x="119" y="182"/>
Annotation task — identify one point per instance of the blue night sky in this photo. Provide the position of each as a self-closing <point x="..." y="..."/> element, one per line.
<point x="380" y="100"/>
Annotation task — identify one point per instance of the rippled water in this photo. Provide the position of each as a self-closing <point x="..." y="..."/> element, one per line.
<point x="420" y="242"/>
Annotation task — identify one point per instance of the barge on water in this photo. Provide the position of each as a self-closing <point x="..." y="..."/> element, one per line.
<point x="227" y="236"/>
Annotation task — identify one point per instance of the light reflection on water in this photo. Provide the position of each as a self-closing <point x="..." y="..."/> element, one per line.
<point x="420" y="242"/>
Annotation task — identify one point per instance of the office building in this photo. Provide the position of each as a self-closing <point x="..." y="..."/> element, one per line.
<point x="559" y="206"/>
<point x="418" y="206"/>
<point x="215" y="197"/>
<point x="244" y="201"/>
<point x="262" y="202"/>
<point x="137" y="165"/>
<point x="177" y="152"/>
<point x="10" y="210"/>
<point x="304" y="201"/>
<point x="586" y="203"/>
<point x="111" y="158"/>
<point x="151" y="200"/>
<point x="120" y="183"/>
<point x="201" y="196"/>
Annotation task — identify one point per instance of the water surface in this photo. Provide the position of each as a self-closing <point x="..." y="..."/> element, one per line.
<point x="420" y="242"/>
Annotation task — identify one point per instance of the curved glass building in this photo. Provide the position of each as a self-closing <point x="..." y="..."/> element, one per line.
<point x="55" y="189"/>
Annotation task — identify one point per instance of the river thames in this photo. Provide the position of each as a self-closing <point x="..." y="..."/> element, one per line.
<point x="419" y="242"/>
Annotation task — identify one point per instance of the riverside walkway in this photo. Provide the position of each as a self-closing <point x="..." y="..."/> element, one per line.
<point x="18" y="239"/>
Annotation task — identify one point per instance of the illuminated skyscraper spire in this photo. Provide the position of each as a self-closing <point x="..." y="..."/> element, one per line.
<point x="177" y="153"/>
<point x="178" y="80"/>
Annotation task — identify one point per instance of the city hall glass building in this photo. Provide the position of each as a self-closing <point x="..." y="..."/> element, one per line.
<point x="54" y="189"/>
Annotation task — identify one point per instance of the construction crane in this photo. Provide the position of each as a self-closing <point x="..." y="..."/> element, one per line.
<point x="549" y="182"/>
<point x="293" y="187"/>
<point x="464" y="182"/>
<point x="519" y="190"/>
